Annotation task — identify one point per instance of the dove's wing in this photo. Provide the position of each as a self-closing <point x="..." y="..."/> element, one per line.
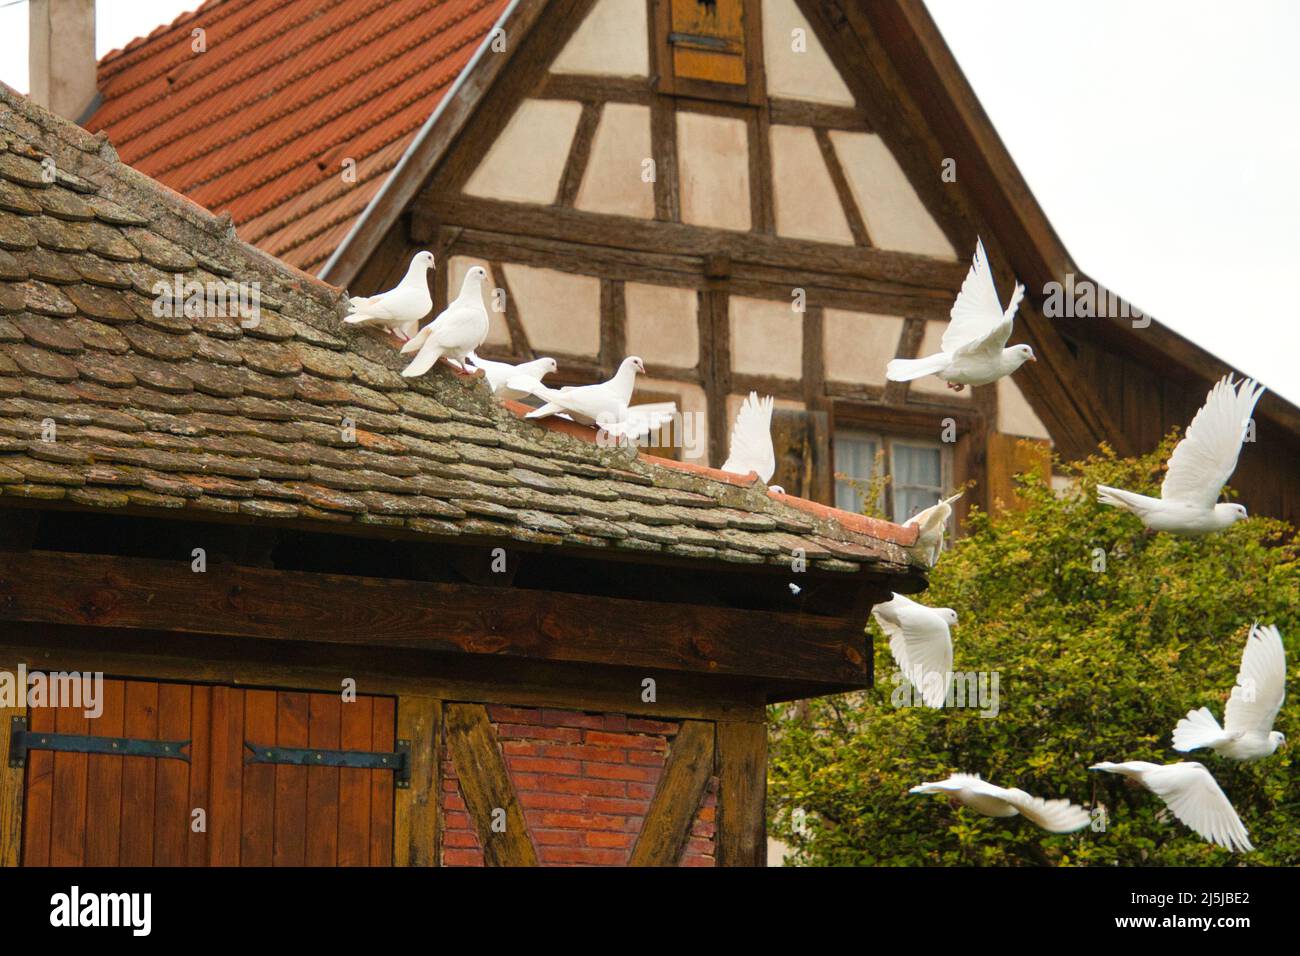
<point x="1195" y="798"/>
<point x="921" y="645"/>
<point x="935" y="516"/>
<point x="648" y="417"/>
<point x="751" y="439"/>
<point x="977" y="322"/>
<point x="1261" y="683"/>
<point x="1055" y="816"/>
<point x="1205" y="459"/>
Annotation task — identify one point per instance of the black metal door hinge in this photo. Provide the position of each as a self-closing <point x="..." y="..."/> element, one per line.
<point x="22" y="740"/>
<point x="398" y="761"/>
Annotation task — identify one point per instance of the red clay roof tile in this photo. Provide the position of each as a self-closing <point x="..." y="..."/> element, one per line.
<point x="259" y="124"/>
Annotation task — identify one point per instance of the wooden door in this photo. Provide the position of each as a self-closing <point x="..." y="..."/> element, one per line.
<point x="90" y="809"/>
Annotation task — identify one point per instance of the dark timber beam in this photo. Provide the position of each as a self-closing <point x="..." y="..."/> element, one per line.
<point x="540" y="625"/>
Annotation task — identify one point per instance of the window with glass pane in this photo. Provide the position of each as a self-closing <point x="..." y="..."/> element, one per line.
<point x="855" y="460"/>
<point x="917" y="477"/>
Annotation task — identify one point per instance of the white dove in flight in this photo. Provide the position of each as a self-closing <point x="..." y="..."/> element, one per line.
<point x="498" y="374"/>
<point x="1055" y="816"/>
<point x="457" y="331"/>
<point x="400" y="309"/>
<point x="604" y="404"/>
<point x="1247" y="732"/>
<point x="932" y="522"/>
<point x="973" y="349"/>
<point x="1192" y="795"/>
<point x="921" y="644"/>
<point x="751" y="440"/>
<point x="1198" y="469"/>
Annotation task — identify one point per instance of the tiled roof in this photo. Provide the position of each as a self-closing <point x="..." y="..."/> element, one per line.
<point x="177" y="415"/>
<point x="260" y="123"/>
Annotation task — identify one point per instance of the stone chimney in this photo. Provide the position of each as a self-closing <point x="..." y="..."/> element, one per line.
<point x="61" y="56"/>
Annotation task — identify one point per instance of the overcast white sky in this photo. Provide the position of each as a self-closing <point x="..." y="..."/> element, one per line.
<point x="1162" y="137"/>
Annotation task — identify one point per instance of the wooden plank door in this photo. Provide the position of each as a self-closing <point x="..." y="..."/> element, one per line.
<point x="107" y="810"/>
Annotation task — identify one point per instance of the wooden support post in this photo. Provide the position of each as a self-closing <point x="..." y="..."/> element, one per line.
<point x="12" y="779"/>
<point x="742" y="793"/>
<point x="415" y="826"/>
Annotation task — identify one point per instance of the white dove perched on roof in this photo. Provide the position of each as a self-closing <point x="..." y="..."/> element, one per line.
<point x="1056" y="816"/>
<point x="973" y="348"/>
<point x="751" y="440"/>
<point x="1192" y="795"/>
<point x="1247" y="732"/>
<point x="498" y="374"/>
<point x="605" y="404"/>
<point x="458" y="330"/>
<point x="1200" y="466"/>
<point x="401" y="308"/>
<point x="932" y="522"/>
<point x="921" y="644"/>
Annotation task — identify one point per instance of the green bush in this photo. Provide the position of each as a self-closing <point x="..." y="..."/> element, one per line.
<point x="1093" y="665"/>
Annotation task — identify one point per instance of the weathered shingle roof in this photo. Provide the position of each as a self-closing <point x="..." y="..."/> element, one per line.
<point x="258" y="125"/>
<point x="173" y="414"/>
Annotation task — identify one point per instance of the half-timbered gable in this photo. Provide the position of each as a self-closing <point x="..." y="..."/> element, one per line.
<point x="778" y="195"/>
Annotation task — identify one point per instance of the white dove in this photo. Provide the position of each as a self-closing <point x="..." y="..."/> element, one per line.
<point x="751" y="440"/>
<point x="401" y="308"/>
<point x="1248" y="732"/>
<point x="1055" y="816"/>
<point x="1192" y="795"/>
<point x="973" y="348"/>
<point x="499" y="373"/>
<point x="921" y="644"/>
<point x="605" y="403"/>
<point x="932" y="522"/>
<point x="458" y="330"/>
<point x="1198" y="469"/>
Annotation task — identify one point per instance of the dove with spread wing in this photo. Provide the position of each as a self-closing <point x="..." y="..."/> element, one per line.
<point x="751" y="440"/>
<point x="1200" y="466"/>
<point x="400" y="309"/>
<point x="605" y="404"/>
<point x="973" y="349"/>
<point x="458" y="330"/>
<point x="931" y="522"/>
<point x="1192" y="795"/>
<point x="1247" y="732"/>
<point x="498" y="374"/>
<point x="921" y="644"/>
<point x="1055" y="816"/>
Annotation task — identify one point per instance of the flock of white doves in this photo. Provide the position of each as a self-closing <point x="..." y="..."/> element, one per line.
<point x="973" y="351"/>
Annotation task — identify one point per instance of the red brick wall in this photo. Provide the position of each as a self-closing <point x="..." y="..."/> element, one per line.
<point x="584" y="781"/>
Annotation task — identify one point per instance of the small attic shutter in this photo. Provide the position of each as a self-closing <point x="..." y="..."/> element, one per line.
<point x="801" y="440"/>
<point x="707" y="40"/>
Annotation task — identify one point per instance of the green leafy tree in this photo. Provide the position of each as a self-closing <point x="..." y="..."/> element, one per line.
<point x="1102" y="637"/>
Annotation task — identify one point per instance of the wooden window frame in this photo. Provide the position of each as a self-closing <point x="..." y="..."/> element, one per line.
<point x="871" y="427"/>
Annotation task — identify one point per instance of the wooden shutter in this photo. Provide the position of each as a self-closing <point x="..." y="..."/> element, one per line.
<point x="706" y="40"/>
<point x="97" y="809"/>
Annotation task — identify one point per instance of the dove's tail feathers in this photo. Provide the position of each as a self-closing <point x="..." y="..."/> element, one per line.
<point x="545" y="411"/>
<point x="416" y="341"/>
<point x="410" y="328"/>
<point x="905" y="370"/>
<point x="358" y="318"/>
<point x="1198" y="729"/>
<point x="1119" y="498"/>
<point x="426" y="360"/>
